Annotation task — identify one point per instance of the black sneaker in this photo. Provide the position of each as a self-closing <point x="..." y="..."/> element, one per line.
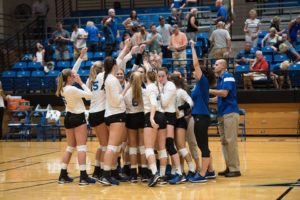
<point x="85" y="180"/>
<point x="153" y="180"/>
<point x="223" y="173"/>
<point x="126" y="170"/>
<point x="120" y="177"/>
<point x="64" y="178"/>
<point x="144" y="174"/>
<point x="163" y="180"/>
<point x="109" y="181"/>
<point x="133" y="179"/>
<point x="96" y="175"/>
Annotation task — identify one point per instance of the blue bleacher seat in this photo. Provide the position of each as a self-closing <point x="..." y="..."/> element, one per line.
<point x="84" y="74"/>
<point x="60" y="65"/>
<point x="19" y="66"/>
<point x="294" y="74"/>
<point x="269" y="58"/>
<point x="36" y="80"/>
<point x="189" y="53"/>
<point x="90" y="55"/>
<point x="7" y="80"/>
<point x="87" y="64"/>
<point x="115" y="54"/>
<point x="50" y="80"/>
<point x="278" y="58"/>
<point x="262" y="34"/>
<point x="99" y="55"/>
<point x="21" y="81"/>
<point x="238" y="74"/>
<point x="35" y="66"/>
<point x="267" y="50"/>
<point x="81" y="65"/>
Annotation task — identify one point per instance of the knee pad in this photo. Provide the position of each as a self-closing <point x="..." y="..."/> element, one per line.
<point x="103" y="148"/>
<point x="149" y="152"/>
<point x="70" y="149"/>
<point x="162" y="154"/>
<point x="82" y="148"/>
<point x="133" y="151"/>
<point x="183" y="152"/>
<point x="170" y="146"/>
<point x="142" y="150"/>
<point x="113" y="148"/>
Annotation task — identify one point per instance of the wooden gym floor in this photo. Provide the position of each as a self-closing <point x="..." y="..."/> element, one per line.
<point x="270" y="169"/>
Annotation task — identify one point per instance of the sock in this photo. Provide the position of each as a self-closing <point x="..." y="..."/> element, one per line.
<point x="178" y="170"/>
<point x="82" y="167"/>
<point x="97" y="163"/>
<point x="64" y="166"/>
<point x="173" y="171"/>
<point x="162" y="170"/>
<point x="133" y="166"/>
<point x="191" y="167"/>
<point x="153" y="168"/>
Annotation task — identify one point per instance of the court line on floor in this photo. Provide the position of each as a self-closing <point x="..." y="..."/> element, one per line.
<point x="20" y="167"/>
<point x="34" y="181"/>
<point x="288" y="190"/>
<point x="8" y="161"/>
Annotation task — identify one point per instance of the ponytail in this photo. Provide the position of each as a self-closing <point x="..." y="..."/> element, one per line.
<point x="109" y="63"/>
<point x="61" y="80"/>
<point x="136" y="82"/>
<point x="95" y="69"/>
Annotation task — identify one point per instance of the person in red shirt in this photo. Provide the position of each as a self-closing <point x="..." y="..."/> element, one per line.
<point x="259" y="70"/>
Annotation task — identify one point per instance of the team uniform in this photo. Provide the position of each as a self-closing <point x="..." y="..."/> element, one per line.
<point x="114" y="104"/>
<point x="152" y="97"/>
<point x="97" y="107"/>
<point x="135" y="118"/>
<point x="168" y="99"/>
<point x="183" y="101"/>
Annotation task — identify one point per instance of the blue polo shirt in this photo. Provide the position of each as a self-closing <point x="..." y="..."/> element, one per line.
<point x="228" y="104"/>
<point x="93" y="33"/>
<point x="200" y="96"/>
<point x="114" y="26"/>
<point x="178" y="3"/>
<point x="222" y="12"/>
<point x="108" y="34"/>
<point x="246" y="54"/>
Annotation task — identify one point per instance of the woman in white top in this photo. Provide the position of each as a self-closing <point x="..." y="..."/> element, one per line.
<point x="251" y="28"/>
<point x="135" y="121"/>
<point x="114" y="118"/>
<point x="39" y="53"/>
<point x="75" y="122"/>
<point x="183" y="102"/>
<point x="168" y="99"/>
<point x="96" y="114"/>
<point x="155" y="127"/>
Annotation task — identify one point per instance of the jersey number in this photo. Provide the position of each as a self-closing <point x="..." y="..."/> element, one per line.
<point x="95" y="86"/>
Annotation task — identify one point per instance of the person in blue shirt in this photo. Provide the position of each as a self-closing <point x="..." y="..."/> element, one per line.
<point x="93" y="36"/>
<point x="222" y="14"/>
<point x="201" y="115"/>
<point x="228" y="112"/>
<point x="110" y="40"/>
<point x="246" y="55"/>
<point x="178" y="4"/>
<point x="114" y="22"/>
<point x="293" y="28"/>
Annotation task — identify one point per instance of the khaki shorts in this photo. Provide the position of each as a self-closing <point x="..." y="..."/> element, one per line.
<point x="181" y="55"/>
<point x="77" y="54"/>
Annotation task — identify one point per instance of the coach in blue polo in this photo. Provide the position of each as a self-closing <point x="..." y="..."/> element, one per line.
<point x="228" y="112"/>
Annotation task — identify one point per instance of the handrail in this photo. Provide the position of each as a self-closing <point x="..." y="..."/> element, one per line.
<point x="276" y="3"/>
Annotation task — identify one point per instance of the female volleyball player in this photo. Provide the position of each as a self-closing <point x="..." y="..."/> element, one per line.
<point x="155" y="127"/>
<point x="75" y="123"/>
<point x="96" y="114"/>
<point x="200" y="113"/>
<point x="114" y="118"/>
<point x="183" y="102"/>
<point x="168" y="100"/>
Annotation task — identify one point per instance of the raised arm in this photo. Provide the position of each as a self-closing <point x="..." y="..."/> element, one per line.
<point x="79" y="60"/>
<point x="198" y="72"/>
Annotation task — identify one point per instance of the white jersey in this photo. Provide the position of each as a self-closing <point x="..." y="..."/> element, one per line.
<point x="168" y="97"/>
<point x="182" y="97"/>
<point x="98" y="98"/>
<point x="132" y="106"/>
<point x="114" y="103"/>
<point x="72" y="97"/>
<point x="152" y="97"/>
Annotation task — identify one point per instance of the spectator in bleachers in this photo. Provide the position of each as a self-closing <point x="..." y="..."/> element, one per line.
<point x="165" y="30"/>
<point x="61" y="37"/>
<point x="125" y="36"/>
<point x="114" y="23"/>
<point x="245" y="56"/>
<point x="293" y="29"/>
<point x="284" y="40"/>
<point x="93" y="36"/>
<point x="139" y="37"/>
<point x="251" y="28"/>
<point x="192" y="25"/>
<point x="48" y="57"/>
<point x="222" y="14"/>
<point x="271" y="39"/>
<point x="39" y="54"/>
<point x="78" y="37"/>
<point x="174" y="18"/>
<point x="178" y="4"/>
<point x="220" y="41"/>
<point x="275" y="22"/>
<point x="110" y="39"/>
<point x="131" y="20"/>
<point x="154" y="41"/>
<point x="291" y="53"/>
<point x="178" y="43"/>
<point x="259" y="70"/>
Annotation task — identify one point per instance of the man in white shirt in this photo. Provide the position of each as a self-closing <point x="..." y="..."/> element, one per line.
<point x="78" y="38"/>
<point x="165" y="30"/>
<point x="220" y="41"/>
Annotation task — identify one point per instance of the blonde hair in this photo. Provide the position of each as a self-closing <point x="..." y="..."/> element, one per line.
<point x="136" y="89"/>
<point x="61" y="80"/>
<point x="283" y="48"/>
<point x="273" y="30"/>
<point x="90" y="23"/>
<point x="96" y="68"/>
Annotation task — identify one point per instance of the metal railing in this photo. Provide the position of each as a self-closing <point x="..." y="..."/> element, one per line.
<point x="63" y="8"/>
